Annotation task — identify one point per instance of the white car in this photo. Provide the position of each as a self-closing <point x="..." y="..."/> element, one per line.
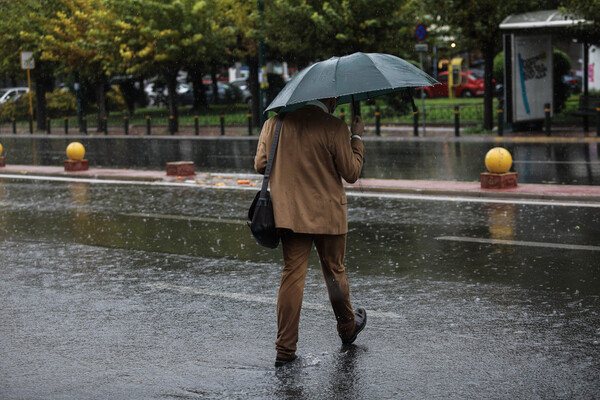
<point x="242" y="84"/>
<point x="7" y="94"/>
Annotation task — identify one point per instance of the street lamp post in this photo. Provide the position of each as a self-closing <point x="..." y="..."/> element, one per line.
<point x="261" y="62"/>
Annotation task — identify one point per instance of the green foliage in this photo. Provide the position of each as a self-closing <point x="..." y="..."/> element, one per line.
<point x="499" y="67"/>
<point x="303" y="31"/>
<point x="397" y="104"/>
<point x="590" y="10"/>
<point x="60" y="103"/>
<point x="115" y="100"/>
<point x="561" y="66"/>
<point x="18" y="109"/>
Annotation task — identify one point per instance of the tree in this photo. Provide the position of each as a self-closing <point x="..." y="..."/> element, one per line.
<point x="477" y="22"/>
<point x="81" y="38"/>
<point x="166" y="36"/>
<point x="590" y="10"/>
<point x="304" y="31"/>
<point x="19" y="34"/>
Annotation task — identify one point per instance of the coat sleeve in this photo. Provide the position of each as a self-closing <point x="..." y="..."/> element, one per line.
<point x="262" y="150"/>
<point x="348" y="154"/>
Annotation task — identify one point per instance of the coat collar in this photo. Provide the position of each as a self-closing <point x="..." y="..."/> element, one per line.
<point x="318" y="104"/>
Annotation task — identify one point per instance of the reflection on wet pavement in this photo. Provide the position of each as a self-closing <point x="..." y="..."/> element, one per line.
<point x="572" y="161"/>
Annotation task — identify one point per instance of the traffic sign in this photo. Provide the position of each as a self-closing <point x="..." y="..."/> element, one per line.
<point x="421" y="48"/>
<point x="421" y="32"/>
<point x="27" y="60"/>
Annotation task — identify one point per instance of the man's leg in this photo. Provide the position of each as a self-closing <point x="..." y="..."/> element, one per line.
<point x="296" y="249"/>
<point x="331" y="249"/>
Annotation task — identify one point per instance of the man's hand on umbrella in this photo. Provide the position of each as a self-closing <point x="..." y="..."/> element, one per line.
<point x="358" y="126"/>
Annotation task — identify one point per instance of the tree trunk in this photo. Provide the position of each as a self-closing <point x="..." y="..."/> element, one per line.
<point x="171" y="78"/>
<point x="129" y="92"/>
<point x="40" y="103"/>
<point x="43" y="83"/>
<point x="101" y="101"/>
<point x="488" y="95"/>
<point x="198" y="90"/>
<point x="215" y="88"/>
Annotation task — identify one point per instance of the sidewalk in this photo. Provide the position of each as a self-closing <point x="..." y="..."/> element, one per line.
<point x="244" y="180"/>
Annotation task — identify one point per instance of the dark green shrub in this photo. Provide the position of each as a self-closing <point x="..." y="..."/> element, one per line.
<point x="60" y="103"/>
<point x="18" y="108"/>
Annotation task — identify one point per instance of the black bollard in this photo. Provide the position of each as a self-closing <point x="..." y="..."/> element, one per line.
<point x="222" y="117"/>
<point x="547" y="112"/>
<point x="148" y="123"/>
<point x="500" y="122"/>
<point x="172" y="124"/>
<point x="30" y="125"/>
<point x="66" y="125"/>
<point x="342" y="115"/>
<point x="415" y="123"/>
<point x="456" y="121"/>
<point x="126" y="123"/>
<point x="377" y="122"/>
<point x="249" y="116"/>
<point x="48" y="126"/>
<point x="597" y="121"/>
<point x="105" y="125"/>
<point x="14" y="124"/>
<point x="84" y="123"/>
<point x="196" y="126"/>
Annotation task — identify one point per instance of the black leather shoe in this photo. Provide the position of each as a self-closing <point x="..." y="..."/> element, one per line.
<point x="360" y="317"/>
<point x="280" y="362"/>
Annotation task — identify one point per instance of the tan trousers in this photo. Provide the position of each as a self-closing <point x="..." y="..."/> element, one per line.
<point x="296" y="250"/>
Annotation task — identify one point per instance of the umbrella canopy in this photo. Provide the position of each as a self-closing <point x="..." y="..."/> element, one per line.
<point x="350" y="78"/>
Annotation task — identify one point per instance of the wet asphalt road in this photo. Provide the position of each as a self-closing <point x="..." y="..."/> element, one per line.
<point x="156" y="292"/>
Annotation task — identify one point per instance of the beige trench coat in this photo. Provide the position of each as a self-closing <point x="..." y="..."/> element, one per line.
<point x="313" y="155"/>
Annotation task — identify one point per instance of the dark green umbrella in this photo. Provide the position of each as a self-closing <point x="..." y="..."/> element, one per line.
<point x="350" y="78"/>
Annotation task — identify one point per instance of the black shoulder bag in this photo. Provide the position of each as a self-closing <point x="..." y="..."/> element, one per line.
<point x="260" y="216"/>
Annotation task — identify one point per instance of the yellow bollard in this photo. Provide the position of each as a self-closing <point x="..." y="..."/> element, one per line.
<point x="75" y="151"/>
<point x="2" y="160"/>
<point x="498" y="160"/>
<point x="76" y="162"/>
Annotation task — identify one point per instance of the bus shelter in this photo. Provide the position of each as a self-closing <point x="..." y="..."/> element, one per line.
<point x="528" y="49"/>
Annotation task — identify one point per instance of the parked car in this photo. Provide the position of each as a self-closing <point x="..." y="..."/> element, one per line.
<point x="242" y="85"/>
<point x="471" y="86"/>
<point x="8" y="94"/>
<point x="573" y="82"/>
<point x="157" y="95"/>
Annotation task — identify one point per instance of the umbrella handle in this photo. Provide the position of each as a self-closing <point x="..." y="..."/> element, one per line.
<point x="355" y="107"/>
<point x="412" y="102"/>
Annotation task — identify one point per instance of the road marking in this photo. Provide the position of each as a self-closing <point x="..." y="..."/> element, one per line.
<point x="520" y="243"/>
<point x="465" y="199"/>
<point x="187" y="218"/>
<point x="256" y="298"/>
<point x="556" y="162"/>
<point x="400" y="196"/>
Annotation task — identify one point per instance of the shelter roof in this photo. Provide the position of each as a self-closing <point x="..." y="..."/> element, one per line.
<point x="545" y="19"/>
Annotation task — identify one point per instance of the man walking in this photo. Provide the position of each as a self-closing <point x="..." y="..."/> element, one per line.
<point x="315" y="151"/>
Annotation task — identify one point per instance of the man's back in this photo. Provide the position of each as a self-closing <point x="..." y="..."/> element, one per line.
<point x="313" y="154"/>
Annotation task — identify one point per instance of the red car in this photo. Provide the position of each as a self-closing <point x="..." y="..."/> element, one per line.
<point x="472" y="85"/>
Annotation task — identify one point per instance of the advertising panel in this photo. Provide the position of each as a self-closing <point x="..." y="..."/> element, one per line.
<point x="532" y="77"/>
<point x="594" y="68"/>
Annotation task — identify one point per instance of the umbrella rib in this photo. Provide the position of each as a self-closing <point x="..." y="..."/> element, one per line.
<point x="335" y="74"/>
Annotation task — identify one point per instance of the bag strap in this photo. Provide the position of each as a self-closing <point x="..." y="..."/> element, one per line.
<point x="265" y="183"/>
